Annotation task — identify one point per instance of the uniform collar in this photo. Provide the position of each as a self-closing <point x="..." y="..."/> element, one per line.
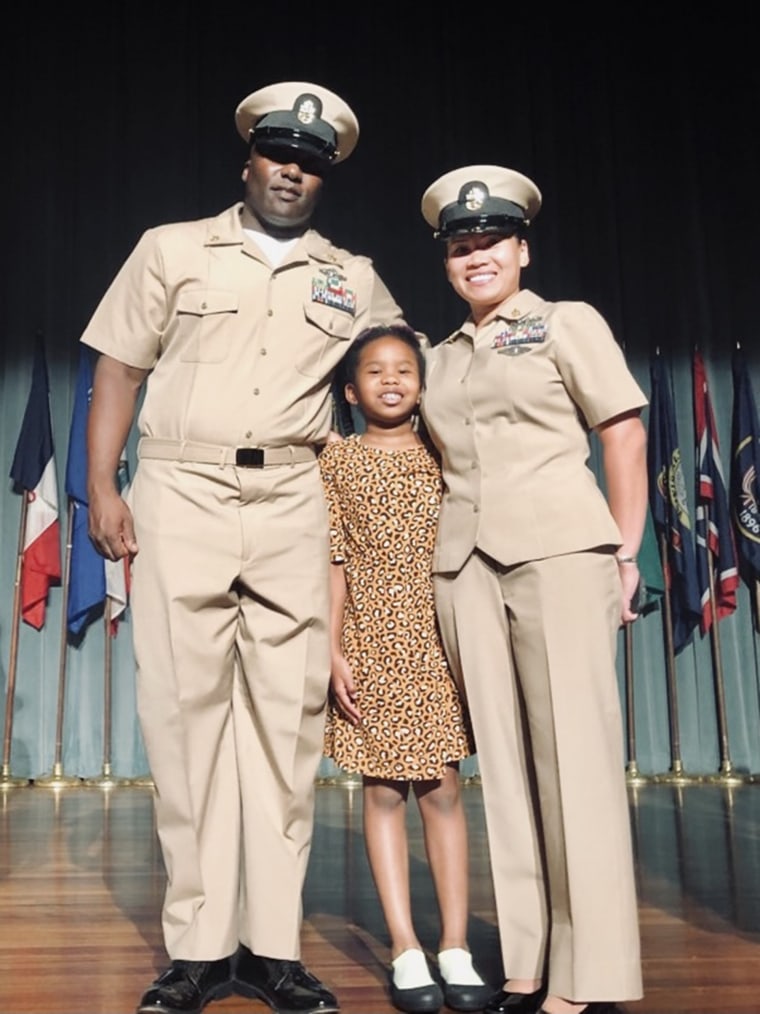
<point x="522" y="304"/>
<point x="226" y="229"/>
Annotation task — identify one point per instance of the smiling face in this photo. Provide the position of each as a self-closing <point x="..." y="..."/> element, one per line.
<point x="484" y="269"/>
<point x="281" y="195"/>
<point x="387" y="384"/>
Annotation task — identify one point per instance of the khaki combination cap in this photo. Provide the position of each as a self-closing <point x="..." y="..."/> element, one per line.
<point x="480" y="198"/>
<point x="299" y="116"/>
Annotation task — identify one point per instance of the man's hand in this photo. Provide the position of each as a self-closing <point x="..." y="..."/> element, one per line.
<point x="111" y="527"/>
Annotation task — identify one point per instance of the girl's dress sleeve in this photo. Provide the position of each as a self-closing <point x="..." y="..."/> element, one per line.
<point x="330" y="482"/>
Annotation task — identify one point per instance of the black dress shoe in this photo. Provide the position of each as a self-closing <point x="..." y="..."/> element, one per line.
<point x="187" y="986"/>
<point x="505" y="1002"/>
<point x="285" y="985"/>
<point x="417" y="999"/>
<point x="467" y="998"/>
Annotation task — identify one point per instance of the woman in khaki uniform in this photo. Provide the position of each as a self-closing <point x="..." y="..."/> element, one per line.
<point x="535" y="570"/>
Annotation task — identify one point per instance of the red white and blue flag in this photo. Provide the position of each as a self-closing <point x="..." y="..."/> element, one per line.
<point x="716" y="549"/>
<point x="33" y="474"/>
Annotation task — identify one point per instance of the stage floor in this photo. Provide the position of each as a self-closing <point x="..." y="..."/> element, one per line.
<point x="81" y="881"/>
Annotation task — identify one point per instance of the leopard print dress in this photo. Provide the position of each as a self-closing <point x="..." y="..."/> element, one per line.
<point x="383" y="514"/>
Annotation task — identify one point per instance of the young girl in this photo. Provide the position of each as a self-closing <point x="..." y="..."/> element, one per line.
<point x="395" y="714"/>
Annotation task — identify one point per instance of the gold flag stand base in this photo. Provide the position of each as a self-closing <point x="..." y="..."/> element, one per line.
<point x="348" y="780"/>
<point x="677" y="776"/>
<point x="142" y="781"/>
<point x="727" y="776"/>
<point x="56" y="780"/>
<point x="106" y="779"/>
<point x="7" y="781"/>
<point x="634" y="777"/>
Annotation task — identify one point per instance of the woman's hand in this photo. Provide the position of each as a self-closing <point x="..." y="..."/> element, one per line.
<point x="630" y="580"/>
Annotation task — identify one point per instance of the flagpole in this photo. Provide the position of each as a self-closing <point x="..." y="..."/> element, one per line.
<point x="57" y="779"/>
<point x="6" y="779"/>
<point x="106" y="779"/>
<point x="727" y="775"/>
<point x="633" y="776"/>
<point x="676" y="775"/>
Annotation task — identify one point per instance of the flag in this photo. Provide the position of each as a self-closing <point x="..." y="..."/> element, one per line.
<point x="87" y="578"/>
<point x="117" y="571"/>
<point x="650" y="569"/>
<point x="745" y="470"/>
<point x="670" y="514"/>
<point x="715" y="537"/>
<point x="33" y="473"/>
<point x="92" y="578"/>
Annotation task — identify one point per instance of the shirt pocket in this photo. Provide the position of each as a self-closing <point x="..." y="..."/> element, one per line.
<point x="329" y="331"/>
<point x="205" y="319"/>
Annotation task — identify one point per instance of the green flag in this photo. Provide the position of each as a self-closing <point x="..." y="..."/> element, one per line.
<point x="650" y="569"/>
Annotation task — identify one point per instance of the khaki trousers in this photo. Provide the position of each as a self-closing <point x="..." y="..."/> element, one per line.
<point x="229" y="604"/>
<point x="535" y="645"/>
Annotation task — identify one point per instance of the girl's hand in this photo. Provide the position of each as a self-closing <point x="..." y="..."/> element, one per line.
<point x="343" y="690"/>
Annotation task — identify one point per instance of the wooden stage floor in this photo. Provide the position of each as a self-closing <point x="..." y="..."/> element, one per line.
<point x="81" y="882"/>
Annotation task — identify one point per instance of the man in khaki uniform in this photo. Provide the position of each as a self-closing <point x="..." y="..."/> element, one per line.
<point x="534" y="571"/>
<point x="236" y="323"/>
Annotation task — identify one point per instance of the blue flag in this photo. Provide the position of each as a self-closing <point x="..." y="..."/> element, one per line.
<point x="745" y="471"/>
<point x="667" y="497"/>
<point x="87" y="575"/>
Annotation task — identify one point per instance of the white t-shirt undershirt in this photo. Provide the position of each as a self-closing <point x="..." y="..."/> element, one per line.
<point x="275" y="249"/>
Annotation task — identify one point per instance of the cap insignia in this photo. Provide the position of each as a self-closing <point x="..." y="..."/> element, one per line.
<point x="307" y="111"/>
<point x="475" y="197"/>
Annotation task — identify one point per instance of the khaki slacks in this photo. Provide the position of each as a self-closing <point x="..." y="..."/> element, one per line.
<point x="534" y="646"/>
<point x="230" y="608"/>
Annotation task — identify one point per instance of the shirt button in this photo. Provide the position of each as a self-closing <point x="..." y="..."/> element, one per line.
<point x="270" y="313"/>
<point x="467" y="422"/>
<point x="475" y="509"/>
<point x="263" y="352"/>
<point x="248" y="434"/>
<point x="255" y="390"/>
<point x="204" y="305"/>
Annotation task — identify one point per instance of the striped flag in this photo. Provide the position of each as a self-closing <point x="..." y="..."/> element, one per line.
<point x="715" y="537"/>
<point x="33" y="474"/>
